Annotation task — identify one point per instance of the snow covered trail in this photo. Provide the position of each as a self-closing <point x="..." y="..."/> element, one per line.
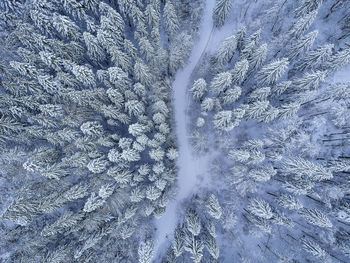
<point x="189" y="167"/>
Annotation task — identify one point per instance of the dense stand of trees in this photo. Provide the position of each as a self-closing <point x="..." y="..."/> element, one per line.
<point x="86" y="130"/>
<point x="87" y="143"/>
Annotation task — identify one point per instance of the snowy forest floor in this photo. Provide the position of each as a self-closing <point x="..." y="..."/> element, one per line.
<point x="192" y="170"/>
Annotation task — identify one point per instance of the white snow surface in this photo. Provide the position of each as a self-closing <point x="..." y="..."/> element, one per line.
<point x="190" y="168"/>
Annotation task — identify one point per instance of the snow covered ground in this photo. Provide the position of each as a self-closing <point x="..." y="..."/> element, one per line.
<point x="342" y="75"/>
<point x="190" y="167"/>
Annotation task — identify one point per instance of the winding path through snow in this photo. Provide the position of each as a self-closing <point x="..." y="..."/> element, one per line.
<point x="189" y="167"/>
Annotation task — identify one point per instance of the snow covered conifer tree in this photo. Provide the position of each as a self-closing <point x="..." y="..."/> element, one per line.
<point x="152" y="14"/>
<point x="260" y="208"/>
<point x="156" y="154"/>
<point x="195" y="247"/>
<point x="313" y="248"/>
<point x="95" y="51"/>
<point x="207" y="104"/>
<point x="310" y="80"/>
<point x="316" y="217"/>
<point x="256" y="157"/>
<point x="137" y="129"/>
<point x="262" y="174"/>
<point x="301" y="167"/>
<point x="315" y="58"/>
<point x="231" y="95"/>
<point x="339" y="59"/>
<point x="145" y="251"/>
<point x="93" y="129"/>
<point x="253" y="144"/>
<point x="270" y="73"/>
<point x="239" y="71"/>
<point x="11" y="6"/>
<point x="302" y="45"/>
<point x="257" y="58"/>
<point x="221" y="82"/>
<point x="221" y="11"/>
<point x="191" y="238"/>
<point x="302" y="24"/>
<point x="92" y="203"/>
<point x="259" y="94"/>
<point x="97" y="165"/>
<point x="178" y="243"/>
<point x="250" y="44"/>
<point x="199" y="88"/>
<point x="134" y="107"/>
<point x="227" y="50"/>
<point x="269" y="115"/>
<point x="280" y="87"/>
<point x="171" y="19"/>
<point x="256" y="109"/>
<point x="120" y="59"/>
<point x="153" y="193"/>
<point x="223" y="121"/>
<point x="212" y="247"/>
<point x="179" y="50"/>
<point x="146" y="49"/>
<point x="66" y="27"/>
<point x="288" y="110"/>
<point x="289" y="201"/>
<point x="213" y="207"/>
<point x="241" y="38"/>
<point x="307" y="6"/>
<point x="143" y="73"/>
<point x="193" y="223"/>
<point x="239" y="155"/>
<point x="84" y="75"/>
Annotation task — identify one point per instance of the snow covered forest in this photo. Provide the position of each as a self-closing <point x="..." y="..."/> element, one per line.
<point x="174" y="131"/>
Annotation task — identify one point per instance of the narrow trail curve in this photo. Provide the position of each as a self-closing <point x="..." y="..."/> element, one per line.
<point x="189" y="167"/>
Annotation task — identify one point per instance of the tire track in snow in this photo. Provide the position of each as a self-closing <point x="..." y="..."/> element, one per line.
<point x="189" y="167"/>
